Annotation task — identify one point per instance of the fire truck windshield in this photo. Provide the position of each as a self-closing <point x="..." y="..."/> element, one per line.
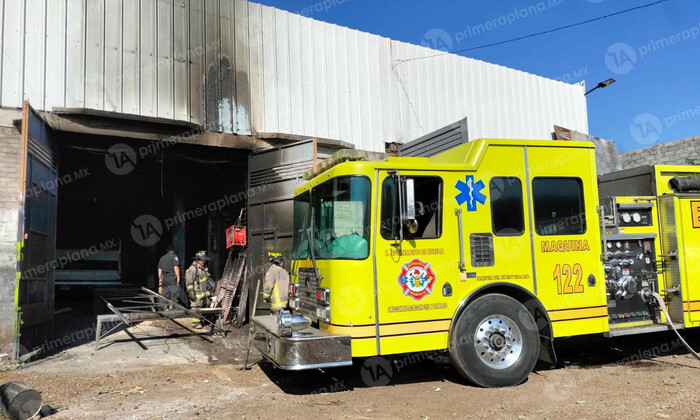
<point x="341" y="210"/>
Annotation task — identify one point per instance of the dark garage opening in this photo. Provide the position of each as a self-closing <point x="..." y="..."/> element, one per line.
<point x="121" y="202"/>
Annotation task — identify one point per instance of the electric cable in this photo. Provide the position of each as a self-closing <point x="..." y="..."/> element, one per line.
<point x="549" y="31"/>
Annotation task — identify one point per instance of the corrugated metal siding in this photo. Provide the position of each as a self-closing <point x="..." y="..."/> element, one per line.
<point x="235" y="66"/>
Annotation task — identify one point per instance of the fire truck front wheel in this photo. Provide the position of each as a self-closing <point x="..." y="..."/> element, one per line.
<point x="495" y="342"/>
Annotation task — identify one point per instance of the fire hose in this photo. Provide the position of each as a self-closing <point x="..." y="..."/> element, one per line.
<point x="662" y="305"/>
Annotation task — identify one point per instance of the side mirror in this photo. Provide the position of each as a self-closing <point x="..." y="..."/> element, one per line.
<point x="408" y="216"/>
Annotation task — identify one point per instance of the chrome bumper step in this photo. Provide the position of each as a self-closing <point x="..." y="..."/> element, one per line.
<point x="309" y="348"/>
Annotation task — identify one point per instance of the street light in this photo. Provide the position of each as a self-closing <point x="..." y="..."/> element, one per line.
<point x="602" y="85"/>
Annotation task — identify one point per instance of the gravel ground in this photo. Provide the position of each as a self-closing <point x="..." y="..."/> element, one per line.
<point x="170" y="373"/>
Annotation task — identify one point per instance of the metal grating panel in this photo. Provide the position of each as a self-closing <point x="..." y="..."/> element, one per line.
<point x="308" y="283"/>
<point x="628" y="183"/>
<point x="437" y="142"/>
<point x="481" y="245"/>
<point x="273" y="175"/>
<point x="669" y="244"/>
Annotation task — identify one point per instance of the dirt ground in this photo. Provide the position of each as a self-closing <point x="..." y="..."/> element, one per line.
<point x="170" y="373"/>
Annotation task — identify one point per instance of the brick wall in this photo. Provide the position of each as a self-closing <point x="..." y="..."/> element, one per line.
<point x="10" y="142"/>
<point x="673" y="153"/>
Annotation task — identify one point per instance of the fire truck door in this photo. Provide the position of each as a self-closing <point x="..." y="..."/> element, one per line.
<point x="413" y="274"/>
<point x="566" y="239"/>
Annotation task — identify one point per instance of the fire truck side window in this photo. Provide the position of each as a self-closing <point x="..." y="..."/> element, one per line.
<point x="558" y="206"/>
<point x="507" y="206"/>
<point x="300" y="247"/>
<point x="428" y="197"/>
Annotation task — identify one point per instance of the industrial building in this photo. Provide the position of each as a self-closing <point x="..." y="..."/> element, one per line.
<point x="154" y="122"/>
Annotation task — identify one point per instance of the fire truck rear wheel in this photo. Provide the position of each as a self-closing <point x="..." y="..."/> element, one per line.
<point x="495" y="342"/>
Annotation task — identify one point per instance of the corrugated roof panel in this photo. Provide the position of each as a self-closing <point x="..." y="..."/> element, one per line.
<point x="164" y="56"/>
<point x="366" y="105"/>
<point x="296" y="82"/>
<point x="212" y="65"/>
<point x="75" y="58"/>
<point x="181" y="65"/>
<point x="256" y="66"/>
<point x="374" y="92"/>
<point x="12" y="53"/>
<point x="243" y="67"/>
<point x="354" y="59"/>
<point x="94" y="55"/>
<point x="320" y="82"/>
<point x="308" y="65"/>
<point x="227" y="74"/>
<point x="149" y="63"/>
<point x="55" y="69"/>
<point x="34" y="38"/>
<point x="130" y="70"/>
<point x="269" y="70"/>
<point x="197" y="58"/>
<point x="281" y="72"/>
<point x="344" y="107"/>
<point x="113" y="56"/>
<point x="332" y="105"/>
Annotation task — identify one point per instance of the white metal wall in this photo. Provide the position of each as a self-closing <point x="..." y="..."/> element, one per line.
<point x="236" y="66"/>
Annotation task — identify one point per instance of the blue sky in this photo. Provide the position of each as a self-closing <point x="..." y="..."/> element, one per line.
<point x="654" y="53"/>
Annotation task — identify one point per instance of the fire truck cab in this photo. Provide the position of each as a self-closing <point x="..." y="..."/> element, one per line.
<point x="490" y="250"/>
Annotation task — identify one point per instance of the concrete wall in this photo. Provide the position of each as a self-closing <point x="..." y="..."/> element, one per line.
<point x="673" y="153"/>
<point x="10" y="141"/>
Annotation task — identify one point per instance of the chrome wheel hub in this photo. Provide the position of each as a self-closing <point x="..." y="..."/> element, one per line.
<point x="498" y="341"/>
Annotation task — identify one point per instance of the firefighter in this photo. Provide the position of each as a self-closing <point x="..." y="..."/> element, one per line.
<point x="169" y="275"/>
<point x="196" y="279"/>
<point x="276" y="285"/>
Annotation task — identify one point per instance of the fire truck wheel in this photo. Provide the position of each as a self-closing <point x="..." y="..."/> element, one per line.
<point x="495" y="342"/>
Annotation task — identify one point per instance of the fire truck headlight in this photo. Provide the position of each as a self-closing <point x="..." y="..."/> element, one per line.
<point x="288" y="324"/>
<point x="295" y="304"/>
<point x="323" y="296"/>
<point x="284" y="324"/>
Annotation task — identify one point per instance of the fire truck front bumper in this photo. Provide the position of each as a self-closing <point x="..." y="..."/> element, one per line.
<point x="309" y="348"/>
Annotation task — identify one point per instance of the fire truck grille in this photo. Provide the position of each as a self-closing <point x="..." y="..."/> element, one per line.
<point x="308" y="283"/>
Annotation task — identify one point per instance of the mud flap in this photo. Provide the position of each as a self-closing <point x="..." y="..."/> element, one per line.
<point x="547" y="353"/>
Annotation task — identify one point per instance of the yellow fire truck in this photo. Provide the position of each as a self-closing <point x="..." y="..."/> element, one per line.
<point x="491" y="250"/>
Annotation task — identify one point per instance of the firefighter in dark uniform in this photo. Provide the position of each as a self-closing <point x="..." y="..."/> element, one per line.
<point x="169" y="275"/>
<point x="196" y="279"/>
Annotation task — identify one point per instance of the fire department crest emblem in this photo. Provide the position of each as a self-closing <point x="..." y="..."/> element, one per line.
<point x="417" y="279"/>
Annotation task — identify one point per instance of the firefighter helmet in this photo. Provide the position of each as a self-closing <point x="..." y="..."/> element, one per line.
<point x="275" y="258"/>
<point x="202" y="256"/>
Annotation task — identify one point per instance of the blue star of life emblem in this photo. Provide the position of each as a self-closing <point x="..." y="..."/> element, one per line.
<point x="470" y="193"/>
